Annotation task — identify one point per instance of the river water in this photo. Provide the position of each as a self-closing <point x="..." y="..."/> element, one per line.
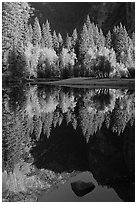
<point x="86" y="132"/>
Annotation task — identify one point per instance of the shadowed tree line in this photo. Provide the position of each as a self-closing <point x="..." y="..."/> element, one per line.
<point x="33" y="50"/>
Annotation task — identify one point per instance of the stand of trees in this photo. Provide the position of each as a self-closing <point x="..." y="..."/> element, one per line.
<point x="33" y="50"/>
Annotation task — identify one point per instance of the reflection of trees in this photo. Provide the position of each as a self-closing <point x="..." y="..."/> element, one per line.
<point x="123" y="112"/>
<point x="102" y="99"/>
<point x="44" y="109"/>
<point x="49" y="106"/>
<point x="16" y="140"/>
<point x="114" y="107"/>
<point x="90" y="121"/>
<point x="16" y="96"/>
<point x="41" y="128"/>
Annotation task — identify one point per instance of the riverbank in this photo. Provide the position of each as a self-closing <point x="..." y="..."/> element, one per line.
<point x="86" y="82"/>
<point x="78" y="82"/>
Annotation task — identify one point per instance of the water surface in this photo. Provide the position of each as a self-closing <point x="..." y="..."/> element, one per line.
<point x="88" y="132"/>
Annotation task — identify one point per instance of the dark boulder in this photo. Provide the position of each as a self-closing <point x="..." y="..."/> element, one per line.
<point x="81" y="188"/>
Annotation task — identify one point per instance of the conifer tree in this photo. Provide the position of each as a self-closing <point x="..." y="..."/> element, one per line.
<point x="95" y="33"/>
<point x="133" y="41"/>
<point x="88" y="23"/>
<point x="90" y="32"/>
<point x="68" y="42"/>
<point x="47" y="35"/>
<point x="74" y="37"/>
<point x="101" y="39"/>
<point x="36" y="32"/>
<point x="60" y="40"/>
<point x="55" y="41"/>
<point x="15" y="17"/>
<point x="30" y="32"/>
<point x="108" y="42"/>
<point x="122" y="42"/>
<point x="84" y="41"/>
<point x="133" y="38"/>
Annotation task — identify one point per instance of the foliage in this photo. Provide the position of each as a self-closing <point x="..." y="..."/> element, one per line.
<point x="84" y="41"/>
<point x="74" y="37"/>
<point x="36" y="32"/>
<point x="55" y="42"/>
<point x="16" y="61"/>
<point x="87" y="53"/>
<point x="68" y="42"/>
<point x="48" y="62"/>
<point x="47" y="37"/>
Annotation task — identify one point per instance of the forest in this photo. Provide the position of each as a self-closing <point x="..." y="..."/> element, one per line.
<point x="31" y="50"/>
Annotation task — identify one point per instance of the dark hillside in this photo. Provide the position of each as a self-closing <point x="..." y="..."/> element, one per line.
<point x="65" y="16"/>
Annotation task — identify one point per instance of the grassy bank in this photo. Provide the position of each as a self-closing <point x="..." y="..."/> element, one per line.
<point x="90" y="82"/>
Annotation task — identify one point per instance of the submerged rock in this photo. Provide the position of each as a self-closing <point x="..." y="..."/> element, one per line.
<point x="81" y="188"/>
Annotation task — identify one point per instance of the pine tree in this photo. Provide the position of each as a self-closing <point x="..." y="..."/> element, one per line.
<point x="88" y="23"/>
<point x="95" y="33"/>
<point x="74" y="37"/>
<point x="101" y="39"/>
<point x="68" y="42"/>
<point x="122" y="43"/>
<point x="55" y="41"/>
<point x="90" y="32"/>
<point x="108" y="42"/>
<point x="60" y="40"/>
<point x="15" y="17"/>
<point x="36" y="32"/>
<point x="133" y="38"/>
<point x="47" y="35"/>
<point x="30" y="33"/>
<point x="84" y="41"/>
<point x="133" y="50"/>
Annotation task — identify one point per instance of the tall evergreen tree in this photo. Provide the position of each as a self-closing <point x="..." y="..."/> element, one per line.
<point x="55" y="41"/>
<point x="88" y="23"/>
<point x="90" y="32"/>
<point x="121" y="42"/>
<point x="84" y="41"/>
<point x="30" y="33"/>
<point x="133" y="38"/>
<point x="36" y="32"/>
<point x="108" y="42"/>
<point x="74" y="37"/>
<point x="68" y="42"/>
<point x="60" y="40"/>
<point x="95" y="33"/>
<point x="47" y="35"/>
<point x="101" y="39"/>
<point x="15" y="17"/>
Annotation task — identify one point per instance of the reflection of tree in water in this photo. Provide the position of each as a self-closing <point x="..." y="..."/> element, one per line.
<point x="16" y="139"/>
<point x="16" y="96"/>
<point x="123" y="112"/>
<point x="101" y="99"/>
<point x="47" y="107"/>
<point x="114" y="107"/>
<point x="48" y="118"/>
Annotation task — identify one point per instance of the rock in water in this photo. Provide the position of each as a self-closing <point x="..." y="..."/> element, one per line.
<point x="81" y="188"/>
